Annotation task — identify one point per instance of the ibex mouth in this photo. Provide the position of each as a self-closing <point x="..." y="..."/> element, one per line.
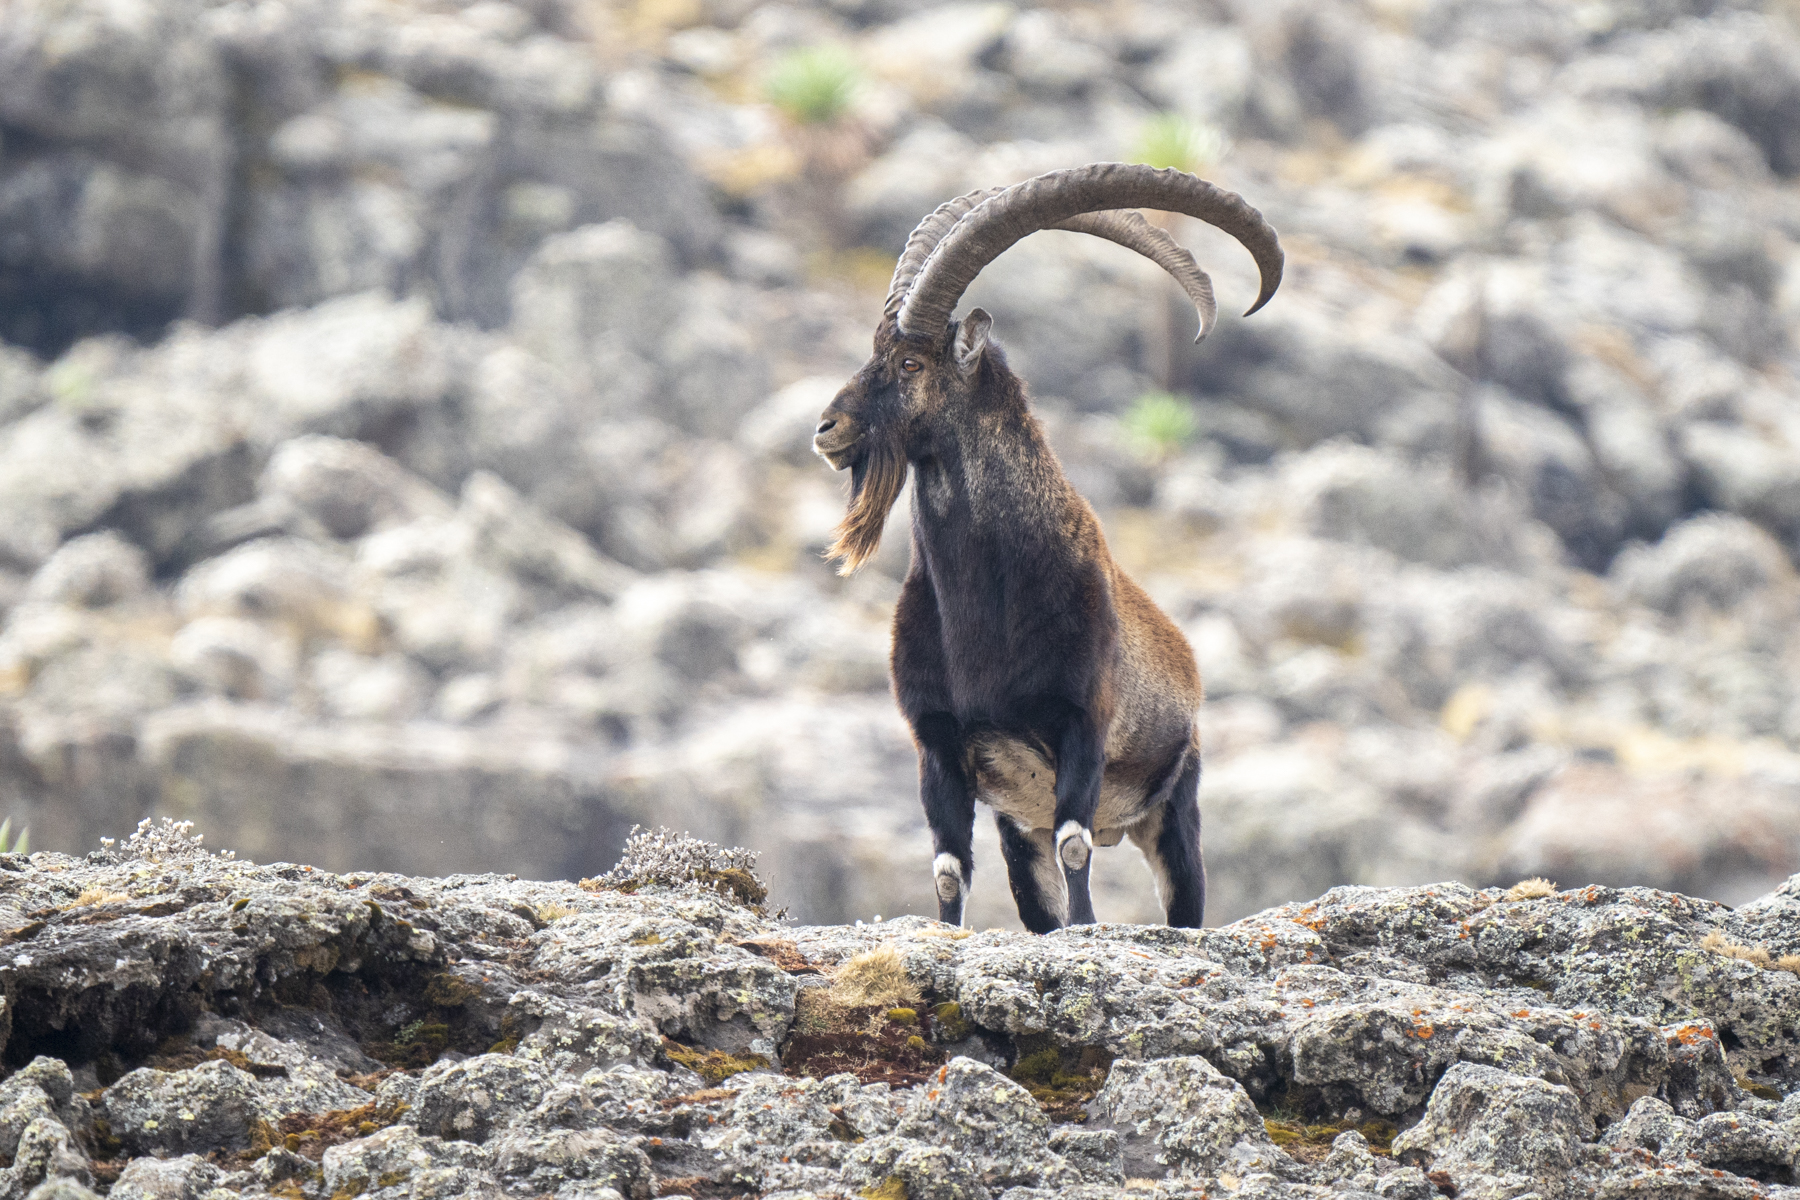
<point x="835" y="442"/>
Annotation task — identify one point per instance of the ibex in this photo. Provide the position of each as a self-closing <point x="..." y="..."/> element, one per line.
<point x="1035" y="674"/>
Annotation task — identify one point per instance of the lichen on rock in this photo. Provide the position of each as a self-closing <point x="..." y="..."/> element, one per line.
<point x="1393" y="1042"/>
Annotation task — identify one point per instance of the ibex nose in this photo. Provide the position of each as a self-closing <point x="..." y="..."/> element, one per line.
<point x="825" y="425"/>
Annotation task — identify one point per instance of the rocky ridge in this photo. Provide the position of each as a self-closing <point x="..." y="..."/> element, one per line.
<point x="404" y="413"/>
<point x="180" y="1024"/>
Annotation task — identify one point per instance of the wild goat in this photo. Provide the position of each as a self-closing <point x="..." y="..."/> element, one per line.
<point x="1035" y="674"/>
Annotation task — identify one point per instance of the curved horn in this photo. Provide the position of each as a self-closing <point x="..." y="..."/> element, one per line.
<point x="990" y="226"/>
<point x="1129" y="229"/>
<point x="924" y="239"/>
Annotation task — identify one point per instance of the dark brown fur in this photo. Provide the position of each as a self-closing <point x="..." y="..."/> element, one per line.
<point x="1018" y="641"/>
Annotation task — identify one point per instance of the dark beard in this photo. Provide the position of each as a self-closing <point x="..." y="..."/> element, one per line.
<point x="875" y="483"/>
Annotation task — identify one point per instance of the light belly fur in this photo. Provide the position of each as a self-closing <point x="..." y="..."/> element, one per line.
<point x="1016" y="780"/>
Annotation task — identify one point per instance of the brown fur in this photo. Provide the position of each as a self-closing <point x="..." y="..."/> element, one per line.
<point x="1035" y="674"/>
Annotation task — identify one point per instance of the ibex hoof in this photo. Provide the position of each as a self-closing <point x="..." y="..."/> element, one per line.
<point x="1073" y="845"/>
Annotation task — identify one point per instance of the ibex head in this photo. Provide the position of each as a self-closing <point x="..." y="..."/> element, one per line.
<point x="923" y="362"/>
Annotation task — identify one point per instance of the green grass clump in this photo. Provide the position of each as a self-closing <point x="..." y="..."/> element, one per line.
<point x="815" y="85"/>
<point x="1161" y="423"/>
<point x="22" y="846"/>
<point x="1172" y="140"/>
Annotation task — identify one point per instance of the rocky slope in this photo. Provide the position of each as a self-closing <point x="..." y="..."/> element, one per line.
<point x="181" y="1025"/>
<point x="403" y="418"/>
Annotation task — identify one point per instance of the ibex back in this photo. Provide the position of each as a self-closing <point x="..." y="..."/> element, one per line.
<point x="1035" y="674"/>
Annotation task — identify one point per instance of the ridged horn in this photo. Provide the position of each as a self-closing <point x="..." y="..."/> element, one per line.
<point x="924" y="239"/>
<point x="991" y="222"/>
<point x="1129" y="229"/>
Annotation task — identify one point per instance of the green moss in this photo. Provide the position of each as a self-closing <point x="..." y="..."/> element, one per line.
<point x="1038" y="1066"/>
<point x="951" y="1027"/>
<point x="916" y="1042"/>
<point x="1296" y="1136"/>
<point x="416" y="1044"/>
<point x="714" y="1066"/>
<point x="1062" y="1079"/>
<point x="903" y="1016"/>
<point x="891" y="1188"/>
<point x="447" y="991"/>
<point x="504" y="1046"/>
<point x="1761" y="1090"/>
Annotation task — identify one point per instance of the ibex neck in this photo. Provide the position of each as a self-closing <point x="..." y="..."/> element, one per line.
<point x="995" y="478"/>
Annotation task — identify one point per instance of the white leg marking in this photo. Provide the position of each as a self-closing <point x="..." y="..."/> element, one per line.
<point x="1073" y="845"/>
<point x="948" y="870"/>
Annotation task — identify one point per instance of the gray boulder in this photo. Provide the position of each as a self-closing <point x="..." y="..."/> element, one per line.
<point x="214" y="1106"/>
<point x="470" y="1101"/>
<point x="1180" y="1117"/>
<point x="1481" y="1120"/>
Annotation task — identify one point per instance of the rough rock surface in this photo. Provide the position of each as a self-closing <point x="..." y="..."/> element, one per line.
<point x="404" y="415"/>
<point x="1402" y="1042"/>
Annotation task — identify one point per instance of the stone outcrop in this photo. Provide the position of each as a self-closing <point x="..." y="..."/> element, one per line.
<point x="185" y="1024"/>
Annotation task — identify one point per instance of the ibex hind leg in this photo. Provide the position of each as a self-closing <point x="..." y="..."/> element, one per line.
<point x="1035" y="875"/>
<point x="1170" y="840"/>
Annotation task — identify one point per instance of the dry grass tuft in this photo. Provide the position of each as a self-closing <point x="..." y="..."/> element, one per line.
<point x="96" y="895"/>
<point x="1757" y="956"/>
<point x="1531" y="889"/>
<point x="553" y="911"/>
<point x="877" y="977"/>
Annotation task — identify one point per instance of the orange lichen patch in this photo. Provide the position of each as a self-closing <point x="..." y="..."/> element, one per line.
<point x="1692" y="1035"/>
<point x="1310" y="918"/>
<point x="1423" y="1031"/>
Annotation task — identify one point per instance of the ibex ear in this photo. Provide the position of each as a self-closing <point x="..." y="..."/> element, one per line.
<point x="972" y="339"/>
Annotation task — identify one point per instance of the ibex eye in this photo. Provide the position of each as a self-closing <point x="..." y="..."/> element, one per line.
<point x="910" y="365"/>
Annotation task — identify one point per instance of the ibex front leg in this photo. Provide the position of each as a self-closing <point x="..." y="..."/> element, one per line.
<point x="1080" y="764"/>
<point x="949" y="800"/>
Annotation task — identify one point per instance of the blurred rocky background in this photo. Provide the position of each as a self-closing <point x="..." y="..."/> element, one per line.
<point x="404" y="416"/>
